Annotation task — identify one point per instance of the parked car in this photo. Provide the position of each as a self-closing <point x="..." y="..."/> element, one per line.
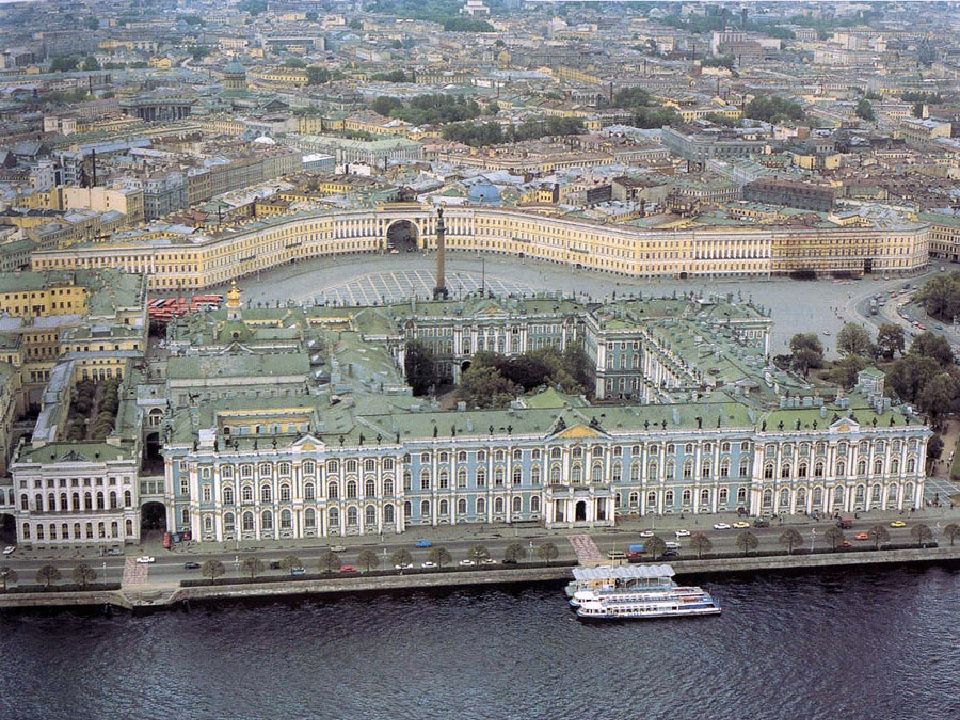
<point x="9" y="549"/>
<point x="274" y="564"/>
<point x="114" y="551"/>
<point x="191" y="566"/>
<point x="347" y="569"/>
<point x="646" y="533"/>
<point x="297" y="571"/>
<point x="489" y="561"/>
<point x="670" y="553"/>
<point x="467" y="561"/>
<point x="338" y="548"/>
<point x="421" y="543"/>
<point x="721" y="526"/>
<point x="861" y="536"/>
<point x="146" y="559"/>
<point x="898" y="524"/>
<point x="740" y="524"/>
<point x="428" y="565"/>
<point x="672" y="545"/>
<point x="682" y="532"/>
<point x="408" y="566"/>
<point x="761" y="523"/>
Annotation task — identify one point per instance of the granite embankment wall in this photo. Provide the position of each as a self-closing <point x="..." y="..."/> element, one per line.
<point x="425" y="581"/>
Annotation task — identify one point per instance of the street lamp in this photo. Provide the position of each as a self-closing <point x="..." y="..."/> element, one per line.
<point x="813" y="538"/>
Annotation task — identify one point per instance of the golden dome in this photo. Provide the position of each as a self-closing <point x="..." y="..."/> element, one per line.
<point x="233" y="295"/>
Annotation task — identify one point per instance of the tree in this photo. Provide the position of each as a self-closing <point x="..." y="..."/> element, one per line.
<point x="879" y="535"/>
<point x="401" y="558"/>
<point x="890" y="340"/>
<point x="418" y="367"/>
<point x="291" y="562"/>
<point x="547" y="552"/>
<point x="854" y="340"/>
<point x="329" y="561"/>
<point x="47" y="574"/>
<point x="774" y="109"/>
<point x="439" y="555"/>
<point x="806" y="351"/>
<point x="931" y="345"/>
<point x="212" y="569"/>
<point x="951" y="532"/>
<point x="9" y="575"/>
<point x="477" y="553"/>
<point x="747" y="541"/>
<point x="515" y="552"/>
<point x="317" y="75"/>
<point x="921" y="533"/>
<point x="701" y="542"/>
<point x="253" y="566"/>
<point x="791" y="538"/>
<point x="656" y="546"/>
<point x="83" y="574"/>
<point x="910" y="374"/>
<point x="934" y="447"/>
<point x="484" y="387"/>
<point x="864" y="110"/>
<point x="937" y="395"/>
<point x="846" y="370"/>
<point x="834" y="536"/>
<point x="90" y="64"/>
<point x="368" y="559"/>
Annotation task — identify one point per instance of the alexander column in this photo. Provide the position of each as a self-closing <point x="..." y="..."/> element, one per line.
<point x="440" y="292"/>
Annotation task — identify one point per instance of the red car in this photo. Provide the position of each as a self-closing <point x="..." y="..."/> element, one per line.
<point x="347" y="569"/>
<point x="861" y="536"/>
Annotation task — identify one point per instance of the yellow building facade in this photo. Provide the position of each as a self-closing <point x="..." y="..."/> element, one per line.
<point x="27" y="295"/>
<point x="720" y="252"/>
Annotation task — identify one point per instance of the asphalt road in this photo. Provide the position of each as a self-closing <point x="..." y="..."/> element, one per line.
<point x="169" y="566"/>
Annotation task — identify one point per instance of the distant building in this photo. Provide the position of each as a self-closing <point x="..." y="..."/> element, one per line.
<point x="474" y="8"/>
<point x="791" y="193"/>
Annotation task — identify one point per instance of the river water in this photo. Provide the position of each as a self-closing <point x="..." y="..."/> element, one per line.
<point x="878" y="645"/>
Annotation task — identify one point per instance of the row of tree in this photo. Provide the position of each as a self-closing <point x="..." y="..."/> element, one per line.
<point x="491" y="133"/>
<point x="368" y="559"/>
<point x="436" y="109"/>
<point x="48" y="574"/>
<point x="791" y="539"/>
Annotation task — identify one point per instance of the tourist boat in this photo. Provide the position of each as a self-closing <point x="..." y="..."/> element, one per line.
<point x="639" y="592"/>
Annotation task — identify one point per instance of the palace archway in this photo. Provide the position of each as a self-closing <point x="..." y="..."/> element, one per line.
<point x="402" y="236"/>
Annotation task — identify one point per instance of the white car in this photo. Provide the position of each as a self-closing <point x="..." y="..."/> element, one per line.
<point x="146" y="559"/>
<point x="489" y="561"/>
<point x="428" y="565"/>
<point x="646" y="533"/>
<point x="408" y="566"/>
<point x="683" y="532"/>
<point x="672" y="545"/>
<point x="467" y="561"/>
<point x="9" y="549"/>
<point x="338" y="548"/>
<point x="721" y="526"/>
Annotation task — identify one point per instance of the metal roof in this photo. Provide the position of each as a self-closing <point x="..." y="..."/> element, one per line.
<point x="645" y="572"/>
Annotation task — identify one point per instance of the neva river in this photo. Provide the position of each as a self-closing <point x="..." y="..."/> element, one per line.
<point x="883" y="646"/>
